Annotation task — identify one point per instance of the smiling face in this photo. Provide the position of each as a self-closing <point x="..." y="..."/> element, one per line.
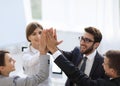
<point x="33" y="33"/>
<point x="106" y="66"/>
<point x="90" y="40"/>
<point x="87" y="44"/>
<point x="108" y="71"/>
<point x="112" y="63"/>
<point x="9" y="65"/>
<point x="35" y="37"/>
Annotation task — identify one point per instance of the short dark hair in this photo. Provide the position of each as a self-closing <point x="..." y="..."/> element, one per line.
<point x="2" y="57"/>
<point x="114" y="59"/>
<point x="31" y="27"/>
<point x="95" y="32"/>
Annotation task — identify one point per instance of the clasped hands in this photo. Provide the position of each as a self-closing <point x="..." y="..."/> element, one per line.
<point x="48" y="41"/>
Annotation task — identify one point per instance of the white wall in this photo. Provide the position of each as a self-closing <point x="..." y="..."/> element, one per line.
<point x="74" y="15"/>
<point x="66" y="15"/>
<point x="12" y="22"/>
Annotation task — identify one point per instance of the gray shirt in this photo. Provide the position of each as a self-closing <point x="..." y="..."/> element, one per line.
<point x="30" y="80"/>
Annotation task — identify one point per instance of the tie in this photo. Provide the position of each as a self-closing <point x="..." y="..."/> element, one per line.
<point x="83" y="64"/>
<point x="82" y="67"/>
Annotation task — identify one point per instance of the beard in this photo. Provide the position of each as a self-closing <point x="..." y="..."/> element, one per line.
<point x="87" y="51"/>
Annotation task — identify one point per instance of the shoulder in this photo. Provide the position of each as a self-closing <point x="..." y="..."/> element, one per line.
<point x="99" y="57"/>
<point x="26" y="50"/>
<point x="76" y="49"/>
<point x="11" y="80"/>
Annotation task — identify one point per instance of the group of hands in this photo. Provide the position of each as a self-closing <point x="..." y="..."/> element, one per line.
<point x="48" y="41"/>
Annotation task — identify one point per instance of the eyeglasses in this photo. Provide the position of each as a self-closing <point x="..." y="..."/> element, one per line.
<point x="86" y="40"/>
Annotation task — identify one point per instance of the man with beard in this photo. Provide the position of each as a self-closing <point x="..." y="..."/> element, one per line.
<point x="89" y="43"/>
<point x="111" y="65"/>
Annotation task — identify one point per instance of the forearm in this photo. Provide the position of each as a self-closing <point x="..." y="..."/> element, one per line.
<point x="42" y="74"/>
<point x="44" y="68"/>
<point x="72" y="72"/>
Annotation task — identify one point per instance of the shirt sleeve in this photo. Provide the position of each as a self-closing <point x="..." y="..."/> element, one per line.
<point x="56" y="54"/>
<point x="42" y="75"/>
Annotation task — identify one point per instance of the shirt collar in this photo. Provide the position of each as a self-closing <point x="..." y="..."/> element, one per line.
<point x="91" y="56"/>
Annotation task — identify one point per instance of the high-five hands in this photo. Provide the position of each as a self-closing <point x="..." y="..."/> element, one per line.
<point x="49" y="37"/>
<point x="42" y="43"/>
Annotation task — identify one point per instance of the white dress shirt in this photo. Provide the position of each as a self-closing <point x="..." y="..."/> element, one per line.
<point x="89" y="61"/>
<point x="31" y="64"/>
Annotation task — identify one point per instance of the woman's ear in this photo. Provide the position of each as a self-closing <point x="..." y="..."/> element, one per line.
<point x="29" y="38"/>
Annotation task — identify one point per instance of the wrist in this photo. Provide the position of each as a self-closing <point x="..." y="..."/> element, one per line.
<point x="53" y="50"/>
<point x="42" y="52"/>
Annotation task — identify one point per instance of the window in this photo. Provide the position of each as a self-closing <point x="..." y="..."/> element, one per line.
<point x="36" y="9"/>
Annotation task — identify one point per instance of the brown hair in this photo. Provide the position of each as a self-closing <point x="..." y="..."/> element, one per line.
<point x="31" y="27"/>
<point x="95" y="32"/>
<point x="2" y="58"/>
<point x="114" y="60"/>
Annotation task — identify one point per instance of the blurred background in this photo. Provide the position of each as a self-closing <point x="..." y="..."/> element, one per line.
<point x="69" y="17"/>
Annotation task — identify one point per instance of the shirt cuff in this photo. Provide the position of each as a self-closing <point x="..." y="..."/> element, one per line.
<point x="56" y="54"/>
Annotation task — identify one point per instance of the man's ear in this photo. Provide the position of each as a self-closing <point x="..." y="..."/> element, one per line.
<point x="1" y="67"/>
<point x="96" y="45"/>
<point x="113" y="72"/>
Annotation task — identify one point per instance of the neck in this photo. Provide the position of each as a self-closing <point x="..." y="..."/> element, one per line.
<point x="89" y="53"/>
<point x="115" y="76"/>
<point x="35" y="46"/>
<point x="5" y="74"/>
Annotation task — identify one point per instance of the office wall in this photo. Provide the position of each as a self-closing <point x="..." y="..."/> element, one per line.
<point x="12" y="22"/>
<point x="66" y="15"/>
<point x="77" y="14"/>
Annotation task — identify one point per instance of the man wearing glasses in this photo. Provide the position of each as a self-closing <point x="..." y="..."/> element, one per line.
<point x="111" y="65"/>
<point x="89" y="43"/>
